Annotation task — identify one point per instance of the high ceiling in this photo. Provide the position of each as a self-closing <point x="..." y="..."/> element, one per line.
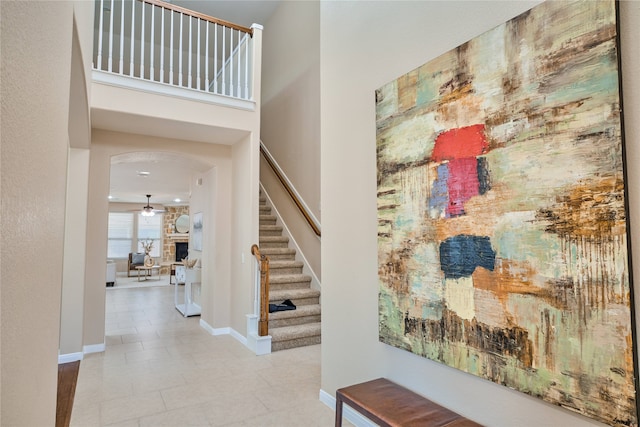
<point x="167" y="179"/>
<point x="243" y="12"/>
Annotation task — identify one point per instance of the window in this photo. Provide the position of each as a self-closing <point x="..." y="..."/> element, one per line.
<point x="150" y="228"/>
<point x="120" y="235"/>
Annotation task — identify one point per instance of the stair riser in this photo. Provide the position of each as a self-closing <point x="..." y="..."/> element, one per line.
<point x="300" y="301"/>
<point x="270" y="232"/>
<point x="304" y="281"/>
<point x="294" y="321"/>
<point x="281" y="257"/>
<point x="267" y="221"/>
<point x="300" y="342"/>
<point x="273" y="245"/>
<point x="288" y="286"/>
<point x="285" y="270"/>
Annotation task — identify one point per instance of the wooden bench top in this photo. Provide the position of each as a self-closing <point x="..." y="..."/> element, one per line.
<point x="391" y="405"/>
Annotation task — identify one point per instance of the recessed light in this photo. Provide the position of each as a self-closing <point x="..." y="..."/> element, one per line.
<point x="144" y="174"/>
<point x="110" y="197"/>
<point x="177" y="200"/>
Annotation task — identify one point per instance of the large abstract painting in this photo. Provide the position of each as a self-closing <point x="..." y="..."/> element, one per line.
<point x="502" y="226"/>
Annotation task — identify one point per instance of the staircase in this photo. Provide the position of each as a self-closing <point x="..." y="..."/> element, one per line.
<point x="293" y="328"/>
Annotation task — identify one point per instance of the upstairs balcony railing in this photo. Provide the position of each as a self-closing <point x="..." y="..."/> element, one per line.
<point x="156" y="41"/>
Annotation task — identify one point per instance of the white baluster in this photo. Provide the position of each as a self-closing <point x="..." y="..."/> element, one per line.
<point x="98" y="64"/>
<point x="121" y="65"/>
<point x="198" y="57"/>
<point x="206" y="57"/>
<point x="180" y="53"/>
<point x="224" y="60"/>
<point x="152" y="37"/>
<point x="215" y="58"/>
<point x="231" y="50"/>
<point x="238" y="84"/>
<point x="190" y="51"/>
<point x="142" y="45"/>
<point x="110" y="65"/>
<point x="162" y="47"/>
<point x="133" y="31"/>
<point x="171" y="50"/>
<point x="247" y="38"/>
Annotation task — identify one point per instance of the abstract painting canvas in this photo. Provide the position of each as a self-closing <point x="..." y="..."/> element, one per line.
<point x="502" y="227"/>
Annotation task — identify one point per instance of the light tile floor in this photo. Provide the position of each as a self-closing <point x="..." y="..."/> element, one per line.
<point x="160" y="369"/>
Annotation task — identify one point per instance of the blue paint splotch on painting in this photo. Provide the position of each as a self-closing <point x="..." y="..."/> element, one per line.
<point x="461" y="255"/>
<point x="440" y="192"/>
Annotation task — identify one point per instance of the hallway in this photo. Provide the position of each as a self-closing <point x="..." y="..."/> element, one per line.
<point x="160" y="369"/>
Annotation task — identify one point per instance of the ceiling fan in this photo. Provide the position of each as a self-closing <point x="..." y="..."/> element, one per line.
<point x="148" y="209"/>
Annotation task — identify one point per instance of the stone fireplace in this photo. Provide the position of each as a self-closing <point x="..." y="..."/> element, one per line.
<point x="170" y="237"/>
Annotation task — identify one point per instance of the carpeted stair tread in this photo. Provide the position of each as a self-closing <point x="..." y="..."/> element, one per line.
<point x="282" y="267"/>
<point x="279" y="243"/>
<point x="270" y="230"/>
<point x="279" y="253"/>
<point x="286" y="333"/>
<point x="289" y="278"/>
<point x="267" y="220"/>
<point x="303" y="310"/>
<point x="267" y="227"/>
<point x="285" y="263"/>
<point x="279" y="296"/>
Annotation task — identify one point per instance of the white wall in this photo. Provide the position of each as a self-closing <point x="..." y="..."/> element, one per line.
<point x="36" y="42"/>
<point x="212" y="197"/>
<point x="244" y="229"/>
<point x="363" y="46"/>
<point x="71" y="309"/>
<point x="291" y="115"/>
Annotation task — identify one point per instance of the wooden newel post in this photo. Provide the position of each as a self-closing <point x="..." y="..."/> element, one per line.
<point x="263" y="324"/>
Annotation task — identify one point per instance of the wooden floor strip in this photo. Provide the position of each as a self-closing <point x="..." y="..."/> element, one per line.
<point x="67" y="378"/>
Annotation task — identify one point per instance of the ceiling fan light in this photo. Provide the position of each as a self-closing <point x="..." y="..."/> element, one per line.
<point x="148" y="210"/>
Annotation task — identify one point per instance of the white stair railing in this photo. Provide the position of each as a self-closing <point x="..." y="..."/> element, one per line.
<point x="160" y="42"/>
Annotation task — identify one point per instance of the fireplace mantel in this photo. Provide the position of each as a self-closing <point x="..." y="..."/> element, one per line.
<point x="178" y="235"/>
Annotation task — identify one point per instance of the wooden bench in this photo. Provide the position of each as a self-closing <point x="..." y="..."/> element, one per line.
<point x="391" y="405"/>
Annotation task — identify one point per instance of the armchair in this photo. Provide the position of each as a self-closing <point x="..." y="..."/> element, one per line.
<point x="135" y="260"/>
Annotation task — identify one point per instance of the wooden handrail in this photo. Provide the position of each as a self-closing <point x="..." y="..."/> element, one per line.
<point x="193" y="13"/>
<point x="287" y="187"/>
<point x="263" y="261"/>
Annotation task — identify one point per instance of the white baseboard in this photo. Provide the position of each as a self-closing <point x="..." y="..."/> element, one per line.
<point x="214" y="331"/>
<point x="347" y="413"/>
<point x="94" y="348"/>
<point x="70" y="357"/>
<point x="237" y="335"/>
<point x="259" y="348"/>
<point x="87" y="349"/>
<point x="207" y="327"/>
<point x="221" y="331"/>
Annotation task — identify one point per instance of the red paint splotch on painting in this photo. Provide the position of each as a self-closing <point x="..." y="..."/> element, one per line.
<point x="462" y="184"/>
<point x="459" y="149"/>
<point x="469" y="141"/>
